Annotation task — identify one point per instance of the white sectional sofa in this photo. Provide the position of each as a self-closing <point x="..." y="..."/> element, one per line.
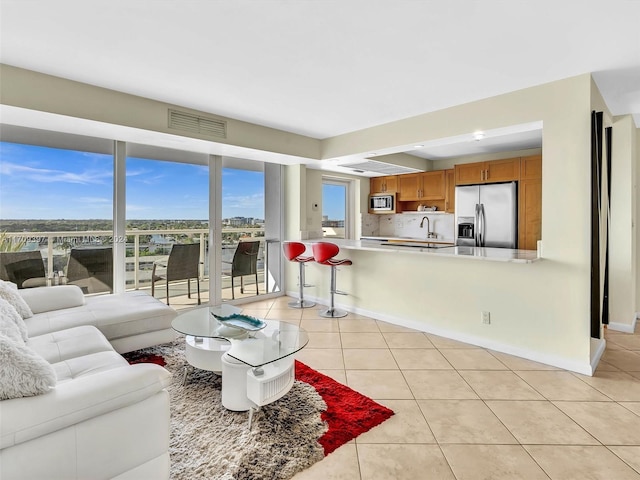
<point x="101" y="418"/>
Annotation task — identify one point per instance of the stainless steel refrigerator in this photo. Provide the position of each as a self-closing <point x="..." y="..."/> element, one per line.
<point x="487" y="215"/>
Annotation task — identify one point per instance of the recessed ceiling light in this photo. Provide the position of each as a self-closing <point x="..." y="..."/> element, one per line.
<point x="478" y="136"/>
<point x="418" y="146"/>
<point x="373" y="154"/>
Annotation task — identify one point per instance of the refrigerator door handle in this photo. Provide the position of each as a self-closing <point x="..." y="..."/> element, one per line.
<point x="484" y="225"/>
<point x="476" y="223"/>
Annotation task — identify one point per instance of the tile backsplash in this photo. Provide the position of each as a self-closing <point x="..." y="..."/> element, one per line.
<point x="408" y="225"/>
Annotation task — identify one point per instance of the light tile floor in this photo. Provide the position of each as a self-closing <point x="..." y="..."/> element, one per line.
<point x="468" y="413"/>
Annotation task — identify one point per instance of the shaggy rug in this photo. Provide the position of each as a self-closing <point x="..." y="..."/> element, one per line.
<point x="210" y="442"/>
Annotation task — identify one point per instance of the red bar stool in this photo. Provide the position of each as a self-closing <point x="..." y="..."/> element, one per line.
<point x="323" y="252"/>
<point x="293" y="251"/>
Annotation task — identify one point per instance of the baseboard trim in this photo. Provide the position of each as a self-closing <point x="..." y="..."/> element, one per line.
<point x="585" y="368"/>
<point x="596" y="354"/>
<point x="624" y="327"/>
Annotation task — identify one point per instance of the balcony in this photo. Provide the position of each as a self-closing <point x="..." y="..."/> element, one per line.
<point x="143" y="248"/>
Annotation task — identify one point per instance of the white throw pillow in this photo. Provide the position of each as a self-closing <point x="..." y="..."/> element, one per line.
<point x="23" y="373"/>
<point x="9" y="291"/>
<point x="11" y="323"/>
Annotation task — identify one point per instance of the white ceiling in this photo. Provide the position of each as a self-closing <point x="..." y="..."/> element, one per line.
<point x="327" y="67"/>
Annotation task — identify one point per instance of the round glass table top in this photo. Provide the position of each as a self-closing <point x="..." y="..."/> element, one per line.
<point x="255" y="348"/>
<point x="200" y="322"/>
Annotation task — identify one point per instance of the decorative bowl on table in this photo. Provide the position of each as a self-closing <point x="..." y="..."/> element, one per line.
<point x="241" y="322"/>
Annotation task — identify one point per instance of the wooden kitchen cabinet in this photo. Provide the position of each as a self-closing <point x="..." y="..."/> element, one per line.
<point x="433" y="185"/>
<point x="421" y="186"/>
<point x="388" y="184"/>
<point x="530" y="203"/>
<point x="409" y="187"/>
<point x="531" y="167"/>
<point x="502" y="170"/>
<point x="469" y="173"/>
<point x="450" y="191"/>
<point x="488" y="172"/>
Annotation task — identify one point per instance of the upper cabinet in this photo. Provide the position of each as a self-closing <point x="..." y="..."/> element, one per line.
<point x="530" y="203"/>
<point x="531" y="167"/>
<point x="488" y="172"/>
<point x="421" y="186"/>
<point x="388" y="184"/>
<point x="409" y="186"/>
<point x="469" y="173"/>
<point x="450" y="191"/>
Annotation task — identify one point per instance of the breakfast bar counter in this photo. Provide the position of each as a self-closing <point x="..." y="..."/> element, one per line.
<point x="433" y="247"/>
<point x="497" y="299"/>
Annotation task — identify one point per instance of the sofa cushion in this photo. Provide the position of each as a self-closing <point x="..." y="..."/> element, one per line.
<point x="86" y="365"/>
<point x="9" y="291"/>
<point x="45" y="299"/>
<point x="116" y="316"/>
<point x="72" y="342"/>
<point x="130" y="313"/>
<point x="23" y="373"/>
<point x="11" y="323"/>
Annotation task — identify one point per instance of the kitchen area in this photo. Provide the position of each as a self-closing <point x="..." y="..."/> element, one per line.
<point x="472" y="209"/>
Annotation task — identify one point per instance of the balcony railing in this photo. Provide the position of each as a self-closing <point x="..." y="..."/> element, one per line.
<point x="140" y="254"/>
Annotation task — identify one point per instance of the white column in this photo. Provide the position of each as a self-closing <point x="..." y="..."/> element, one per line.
<point x="273" y="228"/>
<point x="119" y="215"/>
<point x="215" y="229"/>
<point x="623" y="241"/>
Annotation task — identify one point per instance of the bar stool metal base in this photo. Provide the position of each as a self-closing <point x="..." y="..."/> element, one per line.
<point x="301" y="304"/>
<point x="333" y="313"/>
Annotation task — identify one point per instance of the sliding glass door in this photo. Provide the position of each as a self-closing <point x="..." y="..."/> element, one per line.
<point x="167" y="205"/>
<point x="243" y="230"/>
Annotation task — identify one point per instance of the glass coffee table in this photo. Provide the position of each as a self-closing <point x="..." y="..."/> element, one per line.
<point x="257" y="365"/>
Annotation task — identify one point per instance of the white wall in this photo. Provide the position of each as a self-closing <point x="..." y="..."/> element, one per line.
<point x="313" y="188"/>
<point x="623" y="241"/>
<point x="636" y="217"/>
<point x="542" y="307"/>
<point x="36" y="91"/>
<point x="295" y="178"/>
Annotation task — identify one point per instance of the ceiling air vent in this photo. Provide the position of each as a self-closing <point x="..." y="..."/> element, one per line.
<point x="189" y="122"/>
<point x="374" y="166"/>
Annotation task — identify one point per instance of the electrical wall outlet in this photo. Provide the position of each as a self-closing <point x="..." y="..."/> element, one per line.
<point x="486" y="318"/>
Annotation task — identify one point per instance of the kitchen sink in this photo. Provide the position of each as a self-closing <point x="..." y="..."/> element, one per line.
<point x="417" y="244"/>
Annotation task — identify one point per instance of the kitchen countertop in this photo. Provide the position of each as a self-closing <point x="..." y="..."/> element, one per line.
<point x="383" y="244"/>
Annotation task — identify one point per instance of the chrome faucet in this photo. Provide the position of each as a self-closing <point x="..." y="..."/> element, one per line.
<point x="429" y="232"/>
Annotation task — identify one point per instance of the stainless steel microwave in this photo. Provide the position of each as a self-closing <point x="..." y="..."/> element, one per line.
<point x="382" y="203"/>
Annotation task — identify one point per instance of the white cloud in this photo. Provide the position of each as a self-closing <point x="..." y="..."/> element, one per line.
<point x="95" y="200"/>
<point x="45" y="175"/>
<point x="243" y="201"/>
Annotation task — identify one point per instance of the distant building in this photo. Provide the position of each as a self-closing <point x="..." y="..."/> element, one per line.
<point x="242" y="221"/>
<point x="332" y="223"/>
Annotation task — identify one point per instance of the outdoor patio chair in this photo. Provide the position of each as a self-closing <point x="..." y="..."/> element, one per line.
<point x="183" y="264"/>
<point x="91" y="269"/>
<point x="245" y="262"/>
<point x="25" y="269"/>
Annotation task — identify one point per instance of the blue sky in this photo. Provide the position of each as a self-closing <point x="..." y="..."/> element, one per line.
<point x="49" y="183"/>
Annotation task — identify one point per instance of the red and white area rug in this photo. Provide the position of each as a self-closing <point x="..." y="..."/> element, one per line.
<point x="317" y="416"/>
